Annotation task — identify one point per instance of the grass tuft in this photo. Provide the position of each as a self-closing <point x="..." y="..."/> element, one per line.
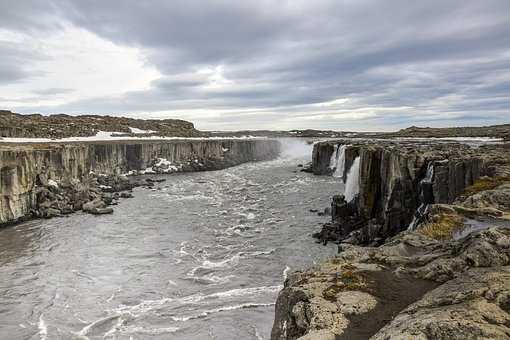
<point x="441" y="227"/>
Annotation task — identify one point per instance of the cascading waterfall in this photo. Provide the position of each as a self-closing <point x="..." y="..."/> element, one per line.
<point x="352" y="181"/>
<point x="424" y="199"/>
<point x="340" y="161"/>
<point x="337" y="161"/>
<point x="334" y="159"/>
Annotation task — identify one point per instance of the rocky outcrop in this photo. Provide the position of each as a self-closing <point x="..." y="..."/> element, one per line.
<point x="32" y="173"/>
<point x="411" y="287"/>
<point x="398" y="180"/>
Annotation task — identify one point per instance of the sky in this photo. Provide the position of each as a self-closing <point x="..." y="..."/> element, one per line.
<point x="352" y="65"/>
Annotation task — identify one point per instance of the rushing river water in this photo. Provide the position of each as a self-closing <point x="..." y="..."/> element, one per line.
<point x="203" y="256"/>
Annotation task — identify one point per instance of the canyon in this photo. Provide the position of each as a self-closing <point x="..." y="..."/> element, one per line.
<point x="48" y="179"/>
<point x="421" y="231"/>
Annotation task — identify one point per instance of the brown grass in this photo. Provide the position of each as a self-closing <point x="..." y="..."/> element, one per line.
<point x="486" y="183"/>
<point x="442" y="226"/>
<point x="346" y="281"/>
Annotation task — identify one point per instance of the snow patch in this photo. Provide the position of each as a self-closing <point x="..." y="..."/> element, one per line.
<point x="140" y="131"/>
<point x="52" y="183"/>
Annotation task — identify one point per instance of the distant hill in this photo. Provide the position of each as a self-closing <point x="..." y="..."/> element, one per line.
<point x="62" y="126"/>
<point x="496" y="131"/>
<point x="280" y="133"/>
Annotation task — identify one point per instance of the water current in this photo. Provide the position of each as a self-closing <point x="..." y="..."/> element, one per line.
<point x="201" y="256"/>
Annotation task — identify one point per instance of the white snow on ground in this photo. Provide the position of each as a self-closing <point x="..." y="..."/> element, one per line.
<point x="165" y="166"/>
<point x="111" y="136"/>
<point x="52" y="183"/>
<point x="163" y="162"/>
<point x="146" y="171"/>
<point x="136" y="130"/>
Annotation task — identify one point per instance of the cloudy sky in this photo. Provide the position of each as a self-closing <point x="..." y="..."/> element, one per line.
<point x="361" y="65"/>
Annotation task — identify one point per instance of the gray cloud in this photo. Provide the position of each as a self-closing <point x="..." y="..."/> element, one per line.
<point x="446" y="62"/>
<point x="13" y="62"/>
<point x="52" y="91"/>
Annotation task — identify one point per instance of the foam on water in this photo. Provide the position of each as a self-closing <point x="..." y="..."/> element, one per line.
<point x="43" y="328"/>
<point x="220" y="309"/>
<point x="148" y="331"/>
<point x="106" y="323"/>
<point x="148" y="305"/>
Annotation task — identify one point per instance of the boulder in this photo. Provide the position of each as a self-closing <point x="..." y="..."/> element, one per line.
<point x="101" y="211"/>
<point x="92" y="205"/>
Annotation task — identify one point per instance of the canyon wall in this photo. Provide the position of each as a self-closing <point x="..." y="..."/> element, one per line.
<point x="393" y="183"/>
<point x="26" y="167"/>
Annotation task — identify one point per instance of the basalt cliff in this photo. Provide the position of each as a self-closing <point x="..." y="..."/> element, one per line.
<point x="393" y="184"/>
<point x="51" y="179"/>
<point x="424" y="246"/>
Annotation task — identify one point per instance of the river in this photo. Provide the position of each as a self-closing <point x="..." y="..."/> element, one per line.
<point x="201" y="256"/>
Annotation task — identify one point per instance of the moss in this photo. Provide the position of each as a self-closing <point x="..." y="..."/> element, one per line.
<point x="442" y="226"/>
<point x="485" y="183"/>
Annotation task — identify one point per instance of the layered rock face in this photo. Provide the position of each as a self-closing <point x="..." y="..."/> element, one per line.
<point x="26" y="168"/>
<point x="398" y="179"/>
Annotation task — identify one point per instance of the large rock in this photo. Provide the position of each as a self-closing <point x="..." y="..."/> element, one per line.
<point x="498" y="198"/>
<point x="366" y="291"/>
<point x="473" y="306"/>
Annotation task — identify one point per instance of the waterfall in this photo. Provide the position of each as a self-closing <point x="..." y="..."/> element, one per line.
<point x="424" y="206"/>
<point x="334" y="159"/>
<point x="416" y="218"/>
<point x="429" y="174"/>
<point x="340" y="161"/>
<point x="337" y="161"/>
<point x="352" y="181"/>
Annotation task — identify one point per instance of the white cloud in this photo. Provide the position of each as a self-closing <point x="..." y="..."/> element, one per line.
<point x="79" y="61"/>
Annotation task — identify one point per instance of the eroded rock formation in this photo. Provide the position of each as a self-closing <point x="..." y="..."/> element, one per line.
<point x="64" y="175"/>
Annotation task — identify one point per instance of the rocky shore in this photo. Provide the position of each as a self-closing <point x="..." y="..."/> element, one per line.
<point x="53" y="179"/>
<point x="424" y="246"/>
<point x="412" y="287"/>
